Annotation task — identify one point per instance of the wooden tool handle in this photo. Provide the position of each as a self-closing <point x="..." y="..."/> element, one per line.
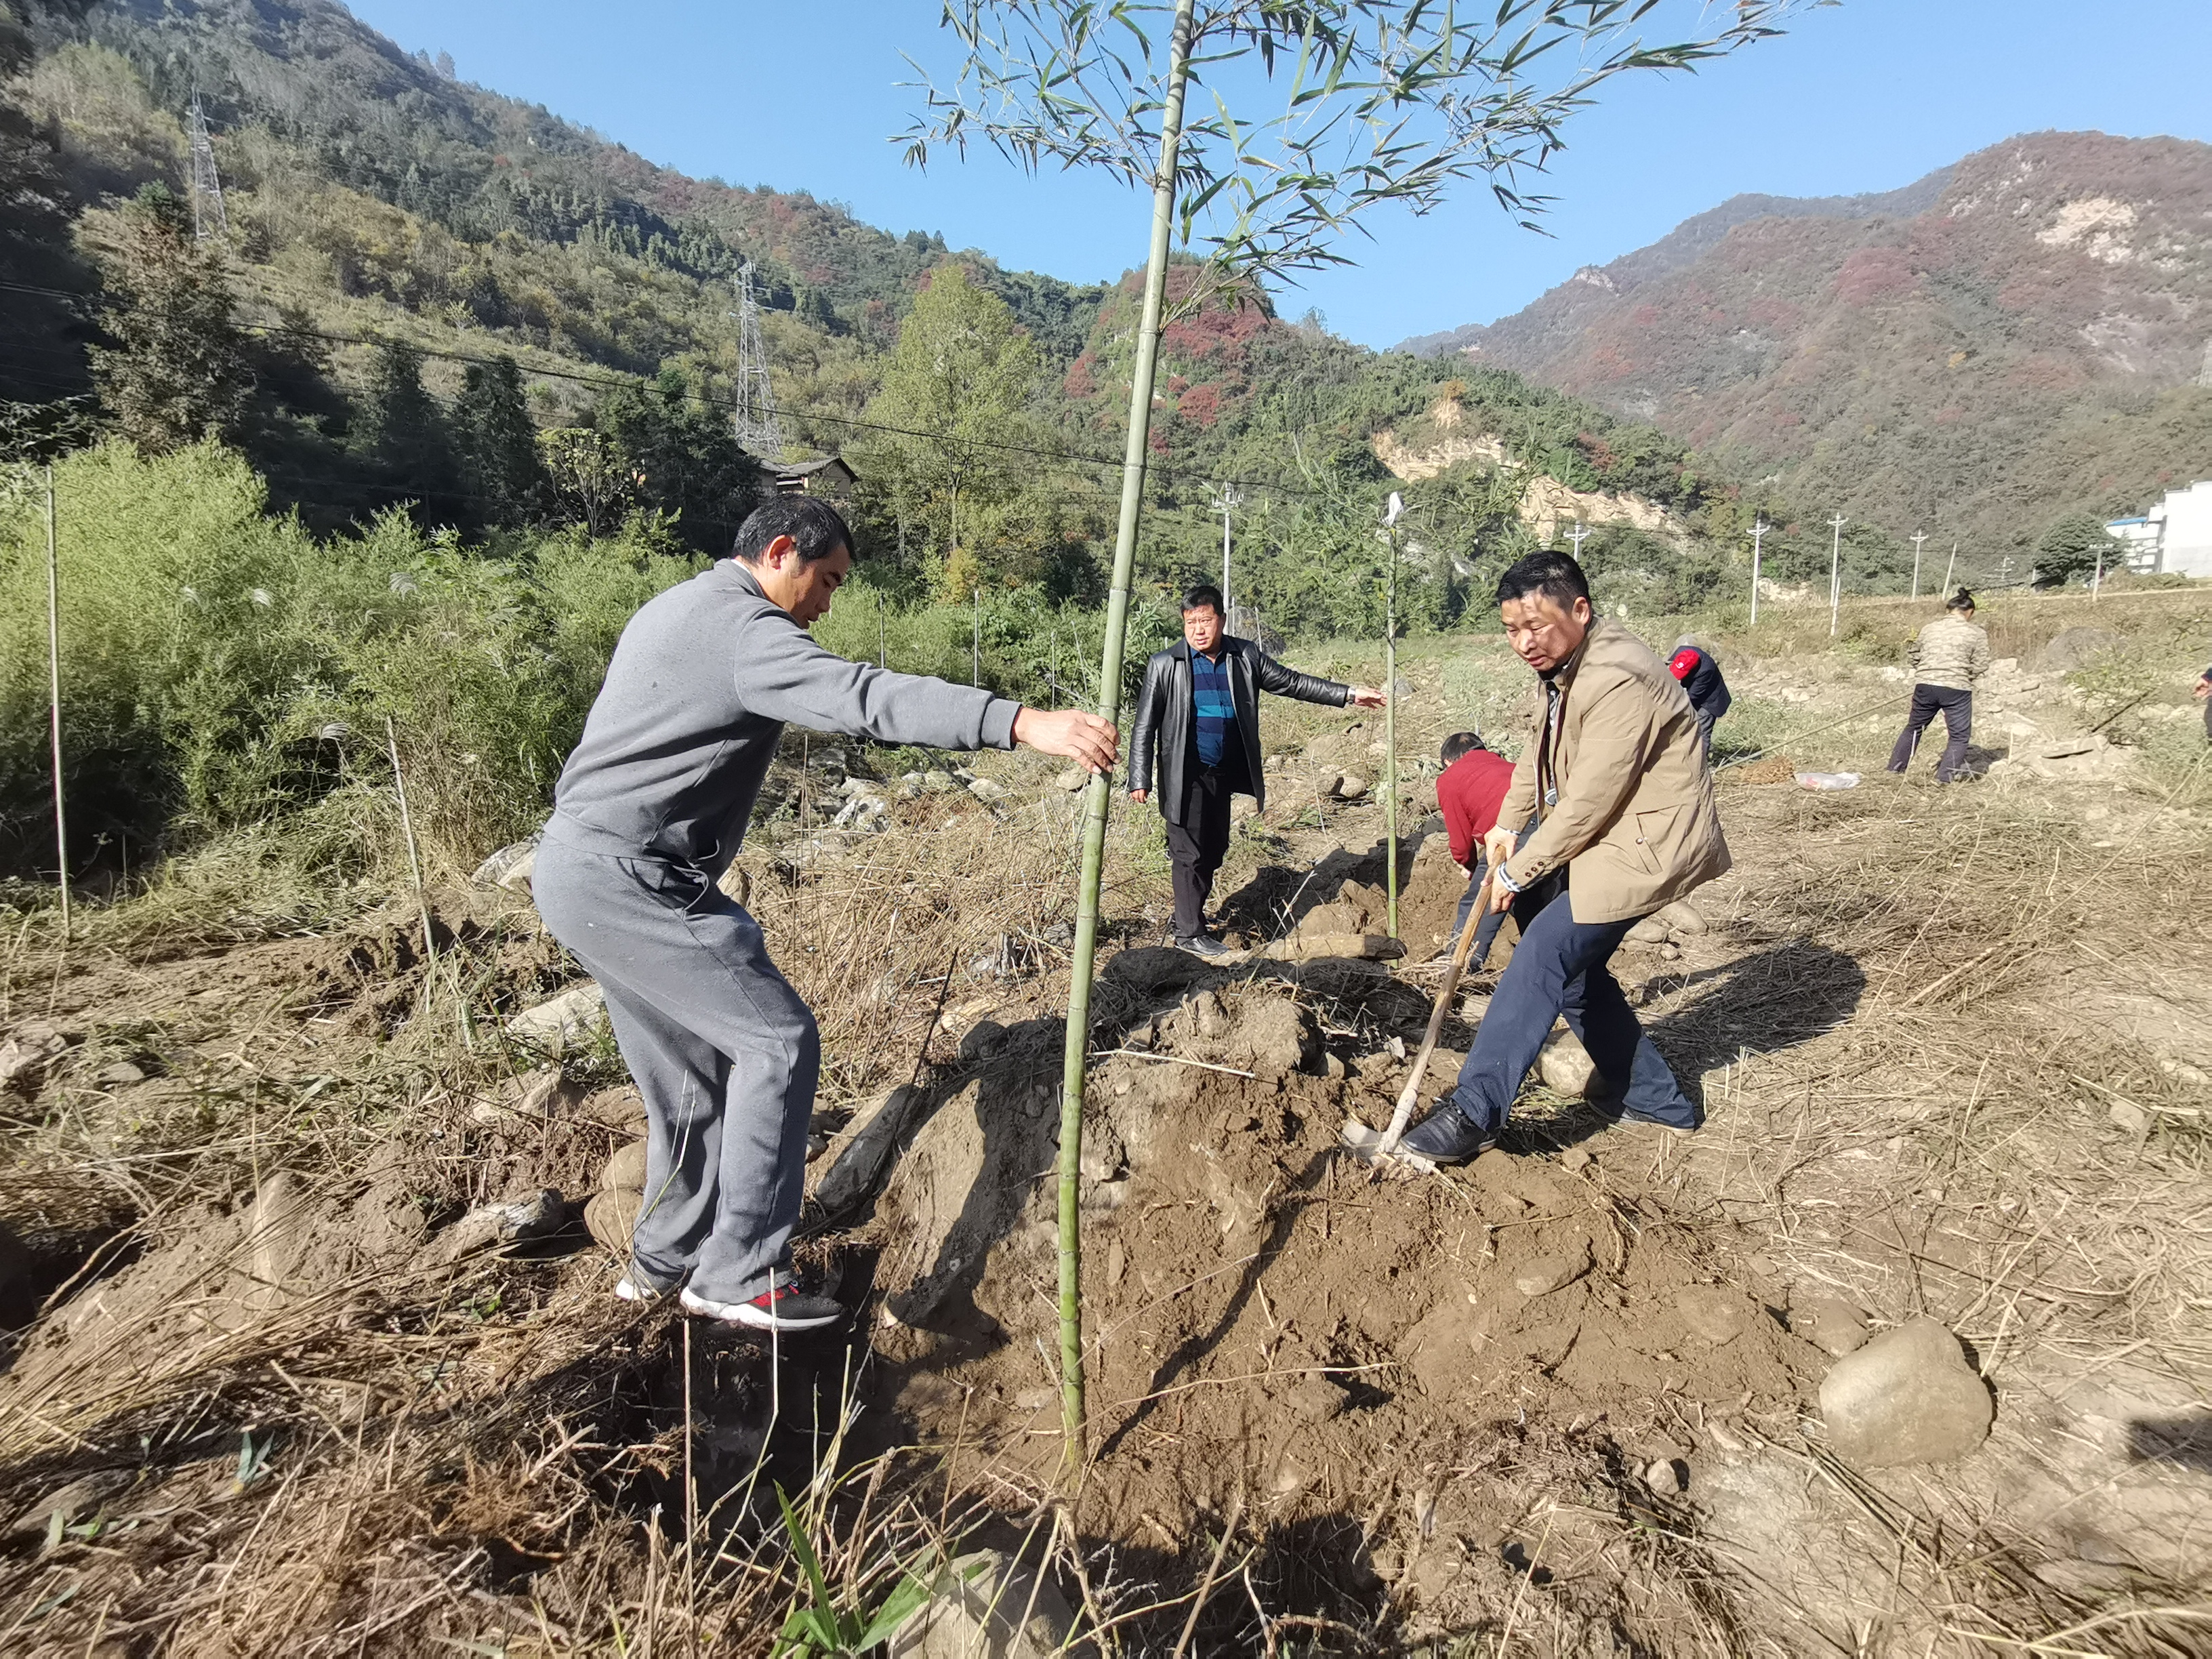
<point x="1464" y="944"/>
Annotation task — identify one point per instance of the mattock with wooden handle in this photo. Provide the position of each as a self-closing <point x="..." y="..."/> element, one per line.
<point x="1374" y="1148"/>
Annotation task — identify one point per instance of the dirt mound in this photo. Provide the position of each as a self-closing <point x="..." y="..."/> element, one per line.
<point x="1370" y="1364"/>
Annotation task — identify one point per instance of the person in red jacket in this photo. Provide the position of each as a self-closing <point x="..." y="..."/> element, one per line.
<point x="1470" y="791"/>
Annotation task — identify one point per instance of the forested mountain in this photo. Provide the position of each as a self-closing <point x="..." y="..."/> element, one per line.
<point x="425" y="294"/>
<point x="2025" y="333"/>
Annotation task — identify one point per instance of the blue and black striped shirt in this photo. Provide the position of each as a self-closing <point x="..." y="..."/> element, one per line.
<point x="1213" y="707"/>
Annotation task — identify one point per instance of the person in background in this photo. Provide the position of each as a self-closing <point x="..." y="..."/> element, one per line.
<point x="1951" y="653"/>
<point x="1470" y="791"/>
<point x="2203" y="694"/>
<point x="650" y="810"/>
<point x="1615" y="778"/>
<point x="1700" y="678"/>
<point x="1199" y="717"/>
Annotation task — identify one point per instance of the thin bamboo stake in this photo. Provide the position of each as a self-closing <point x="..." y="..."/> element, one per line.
<point x="1390" y="708"/>
<point x="54" y="690"/>
<point x="1098" y="797"/>
<point x="421" y="894"/>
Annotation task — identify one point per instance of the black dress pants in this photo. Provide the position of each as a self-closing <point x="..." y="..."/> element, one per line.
<point x="1957" y="709"/>
<point x="1197" y="844"/>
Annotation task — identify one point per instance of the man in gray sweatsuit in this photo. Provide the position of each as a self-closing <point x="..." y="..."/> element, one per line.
<point x="649" y="811"/>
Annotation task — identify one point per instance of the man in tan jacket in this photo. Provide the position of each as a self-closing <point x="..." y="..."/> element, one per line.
<point x="1615" y="780"/>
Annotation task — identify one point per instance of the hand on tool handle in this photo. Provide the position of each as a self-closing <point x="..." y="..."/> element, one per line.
<point x="1499" y="844"/>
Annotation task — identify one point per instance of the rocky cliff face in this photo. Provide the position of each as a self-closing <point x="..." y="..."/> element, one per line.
<point x="2021" y="333"/>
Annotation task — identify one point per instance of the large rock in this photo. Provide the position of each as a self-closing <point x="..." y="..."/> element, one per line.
<point x="1908" y="1396"/>
<point x="871" y="1141"/>
<point x="986" y="1608"/>
<point x="1565" y="1065"/>
<point x="1547" y="1273"/>
<point x="563" y="1021"/>
<point x="2076" y="648"/>
<point x="26" y="1052"/>
<point x="513" y="1221"/>
<point x="509" y="867"/>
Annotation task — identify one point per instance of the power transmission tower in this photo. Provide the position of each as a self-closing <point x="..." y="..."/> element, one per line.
<point x="1578" y="535"/>
<point x="1836" y="573"/>
<point x="754" y="421"/>
<point x="1918" y="537"/>
<point x="1227" y="498"/>
<point x="1759" y="530"/>
<point x="208" y="217"/>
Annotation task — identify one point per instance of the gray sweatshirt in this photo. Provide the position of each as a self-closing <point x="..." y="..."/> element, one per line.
<point x="703" y="680"/>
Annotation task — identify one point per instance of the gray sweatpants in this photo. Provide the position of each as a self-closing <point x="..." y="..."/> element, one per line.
<point x="722" y="1050"/>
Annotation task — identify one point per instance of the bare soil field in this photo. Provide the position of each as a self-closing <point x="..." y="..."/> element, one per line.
<point x="311" y="1347"/>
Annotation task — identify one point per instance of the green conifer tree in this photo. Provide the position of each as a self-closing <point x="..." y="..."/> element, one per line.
<point x="178" y="371"/>
<point x="401" y="431"/>
<point x="502" y="469"/>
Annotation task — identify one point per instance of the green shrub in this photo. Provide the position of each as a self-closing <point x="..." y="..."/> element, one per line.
<point x="221" y="667"/>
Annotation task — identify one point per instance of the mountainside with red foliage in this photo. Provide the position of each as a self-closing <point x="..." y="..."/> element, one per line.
<point x="2025" y="333"/>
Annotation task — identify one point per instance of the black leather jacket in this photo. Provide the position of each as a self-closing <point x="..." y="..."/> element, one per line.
<point x="1166" y="726"/>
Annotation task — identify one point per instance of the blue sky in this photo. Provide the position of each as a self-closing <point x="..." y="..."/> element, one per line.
<point x="1868" y="96"/>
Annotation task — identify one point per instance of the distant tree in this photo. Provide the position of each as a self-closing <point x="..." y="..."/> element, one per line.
<point x="41" y="321"/>
<point x="592" y="483"/>
<point x="2070" y="548"/>
<point x="178" y="372"/>
<point x="400" y="429"/>
<point x="957" y="391"/>
<point x="497" y="442"/>
<point x="686" y="458"/>
<point x="815" y="312"/>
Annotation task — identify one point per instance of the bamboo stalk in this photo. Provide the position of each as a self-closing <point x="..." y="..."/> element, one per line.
<point x="421" y="894"/>
<point x="54" y="689"/>
<point x="1099" y="794"/>
<point x="1390" y="735"/>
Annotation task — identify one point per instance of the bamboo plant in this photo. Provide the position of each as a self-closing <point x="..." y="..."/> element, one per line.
<point x="1368" y="103"/>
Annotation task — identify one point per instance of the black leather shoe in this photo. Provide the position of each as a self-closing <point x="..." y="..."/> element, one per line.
<point x="1447" y="1135"/>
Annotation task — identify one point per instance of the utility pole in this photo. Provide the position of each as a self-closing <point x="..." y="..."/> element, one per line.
<point x="1758" y="529"/>
<point x="883" y="637"/>
<point x="1918" y="537"/>
<point x="2097" y="581"/>
<point x="754" y="421"/>
<point x="1578" y="535"/>
<point x="54" y="690"/>
<point x="208" y="218"/>
<point x="1227" y="498"/>
<point x="1836" y="574"/>
<point x="975" y="660"/>
<point x="1949" y="568"/>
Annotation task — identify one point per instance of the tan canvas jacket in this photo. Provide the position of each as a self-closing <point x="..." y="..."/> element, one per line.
<point x="1632" y="814"/>
<point x="1951" y="652"/>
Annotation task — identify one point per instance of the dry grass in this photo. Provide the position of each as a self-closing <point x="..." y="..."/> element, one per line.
<point x="490" y="1456"/>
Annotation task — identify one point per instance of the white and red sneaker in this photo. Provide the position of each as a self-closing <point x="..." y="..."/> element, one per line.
<point x="785" y="1308"/>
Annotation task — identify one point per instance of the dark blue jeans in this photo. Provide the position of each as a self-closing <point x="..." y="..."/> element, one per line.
<point x="1559" y="968"/>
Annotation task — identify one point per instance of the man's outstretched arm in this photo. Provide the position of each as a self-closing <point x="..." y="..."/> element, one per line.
<point x="1281" y="680"/>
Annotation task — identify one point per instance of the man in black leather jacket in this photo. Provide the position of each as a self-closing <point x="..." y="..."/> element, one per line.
<point x="1200" y="715"/>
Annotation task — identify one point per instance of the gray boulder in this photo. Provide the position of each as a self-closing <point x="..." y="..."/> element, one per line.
<point x="1908" y="1396"/>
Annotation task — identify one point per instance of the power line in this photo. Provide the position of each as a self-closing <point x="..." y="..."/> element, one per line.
<point x="616" y="380"/>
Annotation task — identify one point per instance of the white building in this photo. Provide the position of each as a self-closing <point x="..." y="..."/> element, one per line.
<point x="2174" y="535"/>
